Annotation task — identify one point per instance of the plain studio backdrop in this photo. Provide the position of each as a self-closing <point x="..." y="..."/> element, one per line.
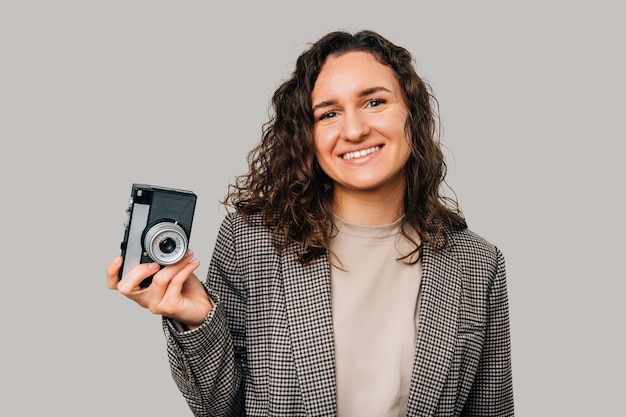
<point x="97" y="95"/>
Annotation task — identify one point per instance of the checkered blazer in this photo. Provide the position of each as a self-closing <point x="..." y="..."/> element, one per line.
<point x="266" y="349"/>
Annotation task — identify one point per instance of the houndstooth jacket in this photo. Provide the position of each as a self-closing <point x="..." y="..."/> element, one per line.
<point x="266" y="349"/>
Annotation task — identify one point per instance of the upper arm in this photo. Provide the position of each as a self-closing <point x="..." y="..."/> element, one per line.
<point x="492" y="390"/>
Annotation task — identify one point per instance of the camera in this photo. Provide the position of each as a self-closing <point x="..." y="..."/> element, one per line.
<point x="157" y="227"/>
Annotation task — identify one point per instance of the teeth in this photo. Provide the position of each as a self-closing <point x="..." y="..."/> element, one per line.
<point x="360" y="154"/>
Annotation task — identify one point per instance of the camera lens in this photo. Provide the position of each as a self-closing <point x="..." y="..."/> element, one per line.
<point x="165" y="243"/>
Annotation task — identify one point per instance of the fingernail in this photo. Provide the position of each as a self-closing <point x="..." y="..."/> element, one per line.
<point x="189" y="253"/>
<point x="153" y="265"/>
<point x="117" y="260"/>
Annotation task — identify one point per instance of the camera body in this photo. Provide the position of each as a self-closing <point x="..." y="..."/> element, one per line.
<point x="157" y="228"/>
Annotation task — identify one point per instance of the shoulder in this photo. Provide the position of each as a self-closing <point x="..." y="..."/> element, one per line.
<point x="472" y="250"/>
<point x="248" y="233"/>
<point x="467" y="239"/>
<point x="246" y="247"/>
<point x="241" y="224"/>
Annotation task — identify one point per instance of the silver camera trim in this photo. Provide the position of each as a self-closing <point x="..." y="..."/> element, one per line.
<point x="138" y="223"/>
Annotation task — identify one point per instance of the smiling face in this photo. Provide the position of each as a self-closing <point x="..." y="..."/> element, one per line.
<point x="360" y="126"/>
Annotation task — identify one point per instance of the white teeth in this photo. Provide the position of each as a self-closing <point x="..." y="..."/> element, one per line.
<point x="360" y="154"/>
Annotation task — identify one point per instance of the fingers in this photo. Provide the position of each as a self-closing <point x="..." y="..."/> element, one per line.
<point x="168" y="294"/>
<point x="174" y="289"/>
<point x="168" y="283"/>
<point x="130" y="279"/>
<point x="112" y="272"/>
<point x="185" y="299"/>
<point x="129" y="284"/>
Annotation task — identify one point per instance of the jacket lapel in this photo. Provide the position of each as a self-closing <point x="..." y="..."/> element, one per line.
<point x="438" y="317"/>
<point x="309" y="314"/>
<point x="308" y="305"/>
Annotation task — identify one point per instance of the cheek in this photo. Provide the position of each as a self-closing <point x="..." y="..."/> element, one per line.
<point x="321" y="142"/>
<point x="323" y="150"/>
<point x="318" y="148"/>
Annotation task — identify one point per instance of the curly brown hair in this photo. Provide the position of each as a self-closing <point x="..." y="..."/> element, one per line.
<point x="287" y="186"/>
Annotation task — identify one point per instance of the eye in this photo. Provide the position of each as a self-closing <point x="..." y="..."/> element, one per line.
<point x="375" y="103"/>
<point x="328" y="115"/>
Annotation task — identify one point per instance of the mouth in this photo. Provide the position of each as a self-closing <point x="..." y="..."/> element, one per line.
<point x="360" y="154"/>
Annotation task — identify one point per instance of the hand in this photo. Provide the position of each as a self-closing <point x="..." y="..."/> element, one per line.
<point x="175" y="291"/>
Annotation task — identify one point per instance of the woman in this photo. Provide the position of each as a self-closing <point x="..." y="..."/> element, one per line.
<point x="343" y="283"/>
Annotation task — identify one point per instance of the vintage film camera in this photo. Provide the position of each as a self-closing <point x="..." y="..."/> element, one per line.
<point x="157" y="228"/>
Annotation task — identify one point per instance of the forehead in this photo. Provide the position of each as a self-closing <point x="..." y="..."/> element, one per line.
<point x="353" y="70"/>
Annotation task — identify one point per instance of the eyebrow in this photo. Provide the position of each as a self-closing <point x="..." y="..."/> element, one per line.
<point x="363" y="93"/>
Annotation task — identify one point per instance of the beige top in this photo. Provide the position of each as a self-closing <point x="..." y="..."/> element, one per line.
<point x="375" y="318"/>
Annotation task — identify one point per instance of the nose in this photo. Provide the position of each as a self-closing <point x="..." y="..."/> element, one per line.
<point x="355" y="126"/>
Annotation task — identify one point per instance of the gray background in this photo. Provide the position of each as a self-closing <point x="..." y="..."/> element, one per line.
<point x="97" y="95"/>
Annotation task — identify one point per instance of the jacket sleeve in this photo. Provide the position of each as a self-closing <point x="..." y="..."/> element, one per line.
<point x="492" y="391"/>
<point x="207" y="363"/>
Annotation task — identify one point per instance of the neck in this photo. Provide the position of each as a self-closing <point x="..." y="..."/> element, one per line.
<point x="367" y="209"/>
